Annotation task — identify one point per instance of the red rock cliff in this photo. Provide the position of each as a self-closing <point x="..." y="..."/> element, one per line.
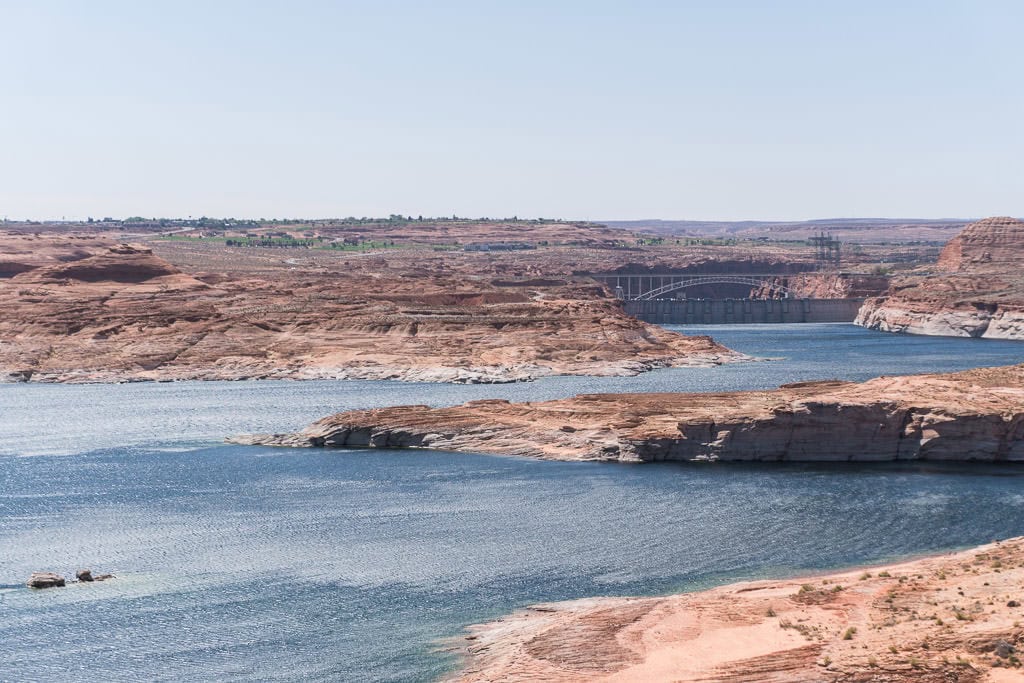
<point x="975" y="290"/>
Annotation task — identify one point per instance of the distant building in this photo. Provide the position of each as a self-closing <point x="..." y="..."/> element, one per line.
<point x="498" y="246"/>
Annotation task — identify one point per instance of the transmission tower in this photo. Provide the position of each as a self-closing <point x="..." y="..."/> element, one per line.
<point x="826" y="250"/>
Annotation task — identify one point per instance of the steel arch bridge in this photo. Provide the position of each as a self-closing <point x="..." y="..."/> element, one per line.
<point x="647" y="287"/>
<point x="695" y="281"/>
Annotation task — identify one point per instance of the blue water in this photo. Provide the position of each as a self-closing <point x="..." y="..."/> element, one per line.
<point x="239" y="563"/>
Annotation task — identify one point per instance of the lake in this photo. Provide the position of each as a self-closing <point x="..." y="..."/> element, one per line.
<point x="238" y="563"/>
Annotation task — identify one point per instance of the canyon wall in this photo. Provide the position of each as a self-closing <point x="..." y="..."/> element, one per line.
<point x="825" y="285"/>
<point x="976" y="288"/>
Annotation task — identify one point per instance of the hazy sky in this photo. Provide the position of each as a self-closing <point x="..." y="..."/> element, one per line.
<point x="588" y="109"/>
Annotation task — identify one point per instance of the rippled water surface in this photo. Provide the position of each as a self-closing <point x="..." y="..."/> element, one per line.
<point x="268" y="564"/>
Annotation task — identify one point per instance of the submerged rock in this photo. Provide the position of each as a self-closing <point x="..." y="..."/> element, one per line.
<point x="45" y="580"/>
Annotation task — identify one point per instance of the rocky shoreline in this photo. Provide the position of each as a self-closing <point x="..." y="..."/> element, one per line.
<point x="980" y="321"/>
<point x="974" y="290"/>
<point x="972" y="415"/>
<point x="498" y="374"/>
<point x="955" y="617"/>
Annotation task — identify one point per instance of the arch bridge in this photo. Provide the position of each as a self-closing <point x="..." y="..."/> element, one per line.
<point x="635" y="287"/>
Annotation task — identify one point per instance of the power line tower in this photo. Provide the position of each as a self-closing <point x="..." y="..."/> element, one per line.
<point x="826" y="250"/>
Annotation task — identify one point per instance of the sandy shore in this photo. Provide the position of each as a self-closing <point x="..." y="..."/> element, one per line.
<point x="954" y="617"/>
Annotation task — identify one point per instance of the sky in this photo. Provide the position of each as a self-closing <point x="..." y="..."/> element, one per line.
<point x="714" y="110"/>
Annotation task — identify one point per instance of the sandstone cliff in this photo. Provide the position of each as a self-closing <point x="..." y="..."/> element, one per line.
<point x="973" y="415"/>
<point x="955" y="618"/>
<point x="975" y="290"/>
<point x="109" y="312"/>
<point x="989" y="244"/>
<point x="824" y="285"/>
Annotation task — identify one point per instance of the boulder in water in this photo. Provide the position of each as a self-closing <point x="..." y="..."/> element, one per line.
<point x="45" y="580"/>
<point x="86" y="576"/>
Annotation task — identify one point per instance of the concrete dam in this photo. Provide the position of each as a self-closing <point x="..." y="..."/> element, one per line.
<point x="733" y="311"/>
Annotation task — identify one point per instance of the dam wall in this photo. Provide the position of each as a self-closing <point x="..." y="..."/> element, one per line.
<point x="733" y="311"/>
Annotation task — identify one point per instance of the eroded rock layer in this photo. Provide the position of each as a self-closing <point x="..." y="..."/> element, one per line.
<point x="88" y="311"/>
<point x="973" y="415"/>
<point x="955" y="618"/>
<point x="975" y="290"/>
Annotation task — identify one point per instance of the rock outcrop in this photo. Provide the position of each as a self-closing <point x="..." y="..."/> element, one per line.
<point x="941" y="619"/>
<point x="55" y="580"/>
<point x="123" y="313"/>
<point x="972" y="415"/>
<point x="989" y="244"/>
<point x="45" y="580"/>
<point x="975" y="290"/>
